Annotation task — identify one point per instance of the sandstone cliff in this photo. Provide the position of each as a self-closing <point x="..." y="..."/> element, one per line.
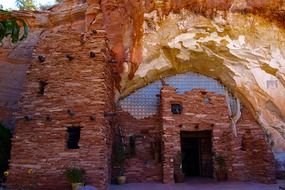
<point x="239" y="42"/>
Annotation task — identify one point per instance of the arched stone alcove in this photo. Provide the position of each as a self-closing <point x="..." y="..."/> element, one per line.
<point x="146" y="116"/>
<point x="233" y="48"/>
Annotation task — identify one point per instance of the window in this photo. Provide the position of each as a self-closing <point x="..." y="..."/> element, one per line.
<point x="42" y="86"/>
<point x="144" y="102"/>
<point x="176" y="108"/>
<point x="132" y="146"/>
<point x="207" y="100"/>
<point x="242" y="144"/>
<point x="73" y="137"/>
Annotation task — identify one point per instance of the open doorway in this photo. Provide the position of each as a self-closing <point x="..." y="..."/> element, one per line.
<point x="196" y="148"/>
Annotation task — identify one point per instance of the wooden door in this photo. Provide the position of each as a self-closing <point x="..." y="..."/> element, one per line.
<point x="206" y="162"/>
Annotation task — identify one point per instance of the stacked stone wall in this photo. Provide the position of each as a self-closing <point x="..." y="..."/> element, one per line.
<point x="144" y="165"/>
<point x="253" y="149"/>
<point x="240" y="153"/>
<point x="78" y="93"/>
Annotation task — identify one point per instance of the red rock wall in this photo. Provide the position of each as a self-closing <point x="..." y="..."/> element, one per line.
<point x="197" y="116"/>
<point x="83" y="85"/>
<point x="124" y="20"/>
<point x="143" y="166"/>
<point x="14" y="61"/>
<point x="5" y="115"/>
<point x="239" y="152"/>
<point x="254" y="149"/>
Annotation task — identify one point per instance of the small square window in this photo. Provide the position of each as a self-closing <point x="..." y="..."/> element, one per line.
<point x="73" y="137"/>
<point x="176" y="108"/>
<point x="207" y="100"/>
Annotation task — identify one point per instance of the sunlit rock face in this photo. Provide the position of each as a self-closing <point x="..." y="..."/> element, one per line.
<point x="245" y="51"/>
<point x="239" y="42"/>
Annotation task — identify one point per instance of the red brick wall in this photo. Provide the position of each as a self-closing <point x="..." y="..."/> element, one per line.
<point x="141" y="167"/>
<point x="239" y="152"/>
<point x="213" y="116"/>
<point x="254" y="149"/>
<point x="83" y="85"/>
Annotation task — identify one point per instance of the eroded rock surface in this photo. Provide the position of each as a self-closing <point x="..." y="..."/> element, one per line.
<point x="244" y="52"/>
<point x="240" y="43"/>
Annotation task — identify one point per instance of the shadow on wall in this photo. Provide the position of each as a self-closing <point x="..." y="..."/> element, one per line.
<point x="280" y="165"/>
<point x="5" y="149"/>
<point x="9" y="123"/>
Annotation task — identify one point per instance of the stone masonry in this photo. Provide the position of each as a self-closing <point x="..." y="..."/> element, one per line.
<point x="79" y="54"/>
<point x="143" y="165"/>
<point x="78" y="92"/>
<point x="240" y="152"/>
<point x="164" y="127"/>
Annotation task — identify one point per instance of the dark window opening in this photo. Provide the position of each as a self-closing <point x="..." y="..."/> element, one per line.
<point x="156" y="149"/>
<point x="73" y="137"/>
<point x="207" y="100"/>
<point x="243" y="146"/>
<point x="176" y="108"/>
<point x="132" y="146"/>
<point x="42" y="87"/>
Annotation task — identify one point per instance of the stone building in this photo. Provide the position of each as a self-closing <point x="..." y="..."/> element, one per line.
<point x="196" y="77"/>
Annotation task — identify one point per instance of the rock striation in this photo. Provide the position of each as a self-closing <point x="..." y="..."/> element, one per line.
<point x="240" y="43"/>
<point x="119" y="46"/>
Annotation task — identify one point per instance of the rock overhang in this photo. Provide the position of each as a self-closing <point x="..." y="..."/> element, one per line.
<point x="244" y="51"/>
<point x="240" y="43"/>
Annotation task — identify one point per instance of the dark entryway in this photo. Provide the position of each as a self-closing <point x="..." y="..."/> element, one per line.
<point x="196" y="148"/>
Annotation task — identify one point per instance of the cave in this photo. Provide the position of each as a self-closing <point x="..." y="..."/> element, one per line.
<point x="163" y="77"/>
<point x="201" y="131"/>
